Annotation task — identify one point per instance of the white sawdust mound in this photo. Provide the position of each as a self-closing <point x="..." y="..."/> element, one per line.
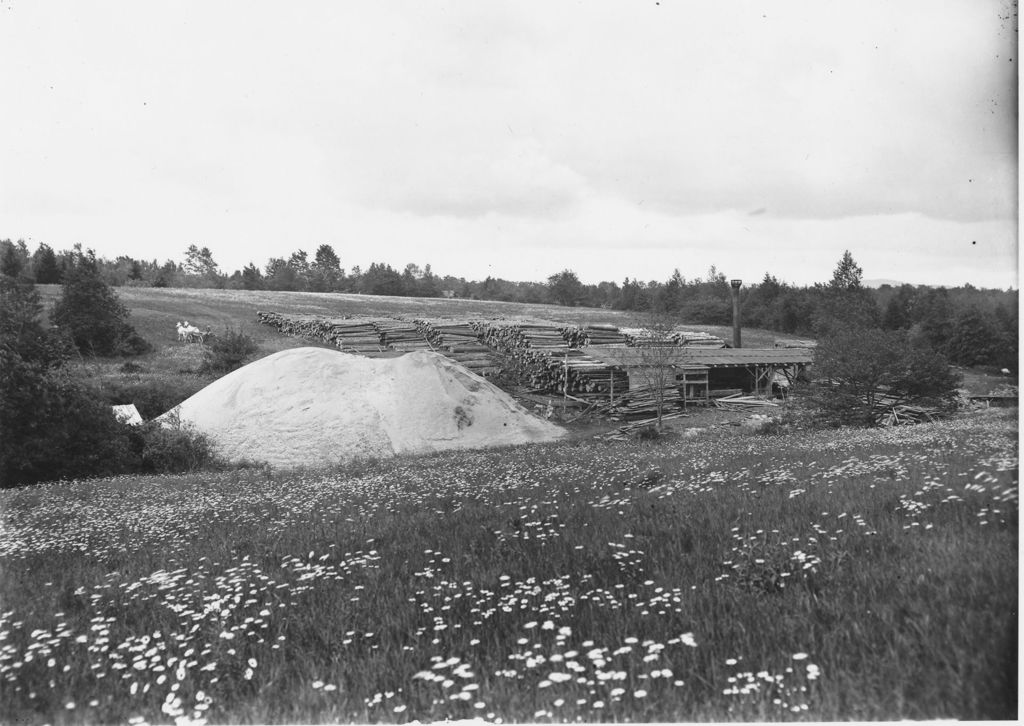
<point x="313" y="406"/>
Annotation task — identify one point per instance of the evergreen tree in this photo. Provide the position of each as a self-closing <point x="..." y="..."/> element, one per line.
<point x="252" y="278"/>
<point x="847" y="275"/>
<point x="44" y="265"/>
<point x="90" y="312"/>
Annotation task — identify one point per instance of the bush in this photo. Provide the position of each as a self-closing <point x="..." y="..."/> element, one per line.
<point x="170" y="450"/>
<point x="228" y="351"/>
<point x="151" y="396"/>
<point x="52" y="428"/>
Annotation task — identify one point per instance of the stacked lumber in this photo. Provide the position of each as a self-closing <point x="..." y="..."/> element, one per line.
<point x="696" y="339"/>
<point x="459" y="341"/>
<point x="795" y="343"/>
<point x="642" y="402"/>
<point x="401" y="335"/>
<point x="644" y="338"/>
<point x="739" y="402"/>
<point x="357" y="335"/>
<point x="603" y="334"/>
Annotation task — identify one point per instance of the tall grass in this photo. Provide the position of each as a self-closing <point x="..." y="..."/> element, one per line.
<point x="841" y="575"/>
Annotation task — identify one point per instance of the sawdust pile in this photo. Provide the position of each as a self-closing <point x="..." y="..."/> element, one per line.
<point x="313" y="407"/>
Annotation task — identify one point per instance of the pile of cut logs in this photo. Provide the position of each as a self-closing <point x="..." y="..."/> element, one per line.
<point x="543" y="354"/>
<point x="642" y="337"/>
<point x="353" y="335"/>
<point x="460" y="342"/>
<point x="696" y="339"/>
<point x="602" y="334"/>
<point x="401" y="335"/>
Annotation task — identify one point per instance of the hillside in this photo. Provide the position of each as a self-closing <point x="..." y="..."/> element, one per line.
<point x="156" y="310"/>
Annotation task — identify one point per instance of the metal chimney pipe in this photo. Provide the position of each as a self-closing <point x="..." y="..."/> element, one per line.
<point x="736" y="312"/>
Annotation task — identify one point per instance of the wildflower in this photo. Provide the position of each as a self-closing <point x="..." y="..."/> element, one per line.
<point x="799" y="656"/>
<point x="639" y="693"/>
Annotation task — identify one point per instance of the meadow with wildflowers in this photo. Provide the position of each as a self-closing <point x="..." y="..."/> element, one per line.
<point x="868" y="574"/>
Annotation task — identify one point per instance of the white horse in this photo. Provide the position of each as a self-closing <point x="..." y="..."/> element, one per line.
<point x="188" y="333"/>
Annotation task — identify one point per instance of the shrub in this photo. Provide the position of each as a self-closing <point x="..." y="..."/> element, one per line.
<point x="152" y="396"/>
<point x="170" y="450"/>
<point x="52" y="428"/>
<point x="228" y="351"/>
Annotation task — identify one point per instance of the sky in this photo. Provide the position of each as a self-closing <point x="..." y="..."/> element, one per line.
<point x="517" y="139"/>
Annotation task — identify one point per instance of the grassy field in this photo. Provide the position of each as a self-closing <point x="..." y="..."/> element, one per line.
<point x="840" y="575"/>
<point x="156" y="310"/>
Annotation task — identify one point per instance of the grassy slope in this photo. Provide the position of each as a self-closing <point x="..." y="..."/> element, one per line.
<point x="155" y="310"/>
<point x="383" y="591"/>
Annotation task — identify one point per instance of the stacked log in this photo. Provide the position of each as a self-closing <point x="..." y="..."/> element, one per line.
<point x="542" y="354"/>
<point x="643" y="338"/>
<point x="356" y="336"/>
<point x="696" y="339"/>
<point x="401" y="335"/>
<point x="575" y="336"/>
<point x="352" y="335"/>
<point x="603" y="334"/>
<point x="459" y="341"/>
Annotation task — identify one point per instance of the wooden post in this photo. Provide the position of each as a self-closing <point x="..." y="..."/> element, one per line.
<point x="611" y="386"/>
<point x="565" y="380"/>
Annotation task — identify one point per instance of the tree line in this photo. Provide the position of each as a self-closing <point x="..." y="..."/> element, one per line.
<point x="970" y="326"/>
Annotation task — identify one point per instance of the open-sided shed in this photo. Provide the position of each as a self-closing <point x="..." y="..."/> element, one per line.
<point x="748" y="368"/>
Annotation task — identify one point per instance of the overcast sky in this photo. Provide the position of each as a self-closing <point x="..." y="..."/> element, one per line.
<point x="516" y="139"/>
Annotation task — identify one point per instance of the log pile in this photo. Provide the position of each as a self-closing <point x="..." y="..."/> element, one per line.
<point x="401" y="335"/>
<point x="352" y="335"/>
<point x="542" y="354"/>
<point x="603" y="334"/>
<point x="644" y="338"/>
<point x="696" y="339"/>
<point x="460" y="342"/>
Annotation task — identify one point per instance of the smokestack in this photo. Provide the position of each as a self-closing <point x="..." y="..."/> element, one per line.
<point x="736" y="312"/>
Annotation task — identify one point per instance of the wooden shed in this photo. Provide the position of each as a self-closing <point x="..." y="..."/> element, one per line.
<point x="701" y="370"/>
